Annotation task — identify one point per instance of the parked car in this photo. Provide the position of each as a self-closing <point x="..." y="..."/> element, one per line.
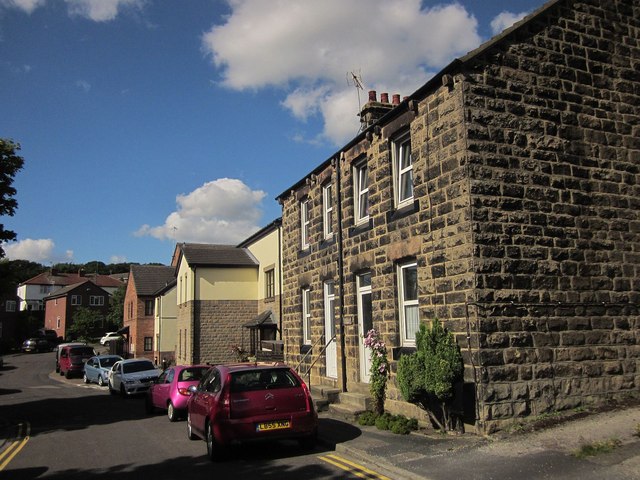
<point x="132" y="376"/>
<point x="59" y="348"/>
<point x="170" y="391"/>
<point x="34" y="344"/>
<point x="72" y="359"/>
<point x="97" y="368"/>
<point x="251" y="401"/>
<point x="49" y="335"/>
<point x="108" y="337"/>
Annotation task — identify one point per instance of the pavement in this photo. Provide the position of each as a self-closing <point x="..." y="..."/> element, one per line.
<point x="543" y="454"/>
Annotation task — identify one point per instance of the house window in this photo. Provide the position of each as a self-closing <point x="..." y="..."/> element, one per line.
<point x="402" y="170"/>
<point x="57" y="323"/>
<point x="76" y="300"/>
<point x="361" y="192"/>
<point x="10" y="306"/>
<point x="44" y="289"/>
<point x="408" y="302"/>
<point x="270" y="283"/>
<point x="148" y="307"/>
<point x="327" y="210"/>
<point x="148" y="344"/>
<point x="304" y="223"/>
<point x="96" y="300"/>
<point x="306" y="316"/>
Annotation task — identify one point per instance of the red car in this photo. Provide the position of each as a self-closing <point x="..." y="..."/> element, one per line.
<point x="170" y="392"/>
<point x="251" y="401"/>
<point x="72" y="359"/>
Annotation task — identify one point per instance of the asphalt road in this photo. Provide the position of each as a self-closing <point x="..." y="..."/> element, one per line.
<point x="72" y="430"/>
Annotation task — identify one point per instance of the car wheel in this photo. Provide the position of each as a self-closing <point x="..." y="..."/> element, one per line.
<point x="100" y="381"/>
<point x="60" y="372"/>
<point x="171" y="413"/>
<point x="84" y="378"/>
<point x="123" y="392"/>
<point x="111" y="390"/>
<point x="190" y="434"/>
<point x="212" y="449"/>
<point x="67" y="374"/>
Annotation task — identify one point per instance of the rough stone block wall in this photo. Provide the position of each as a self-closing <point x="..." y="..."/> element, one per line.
<point x="554" y="152"/>
<point x="219" y="326"/>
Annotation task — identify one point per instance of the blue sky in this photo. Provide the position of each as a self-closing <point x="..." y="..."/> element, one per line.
<point x="146" y="122"/>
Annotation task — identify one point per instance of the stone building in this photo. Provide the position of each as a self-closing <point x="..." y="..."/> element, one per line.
<point x="502" y="197"/>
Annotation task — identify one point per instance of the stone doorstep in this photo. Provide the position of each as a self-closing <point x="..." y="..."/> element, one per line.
<point x="358" y="401"/>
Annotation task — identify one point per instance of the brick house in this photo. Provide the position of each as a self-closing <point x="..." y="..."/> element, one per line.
<point x="61" y="305"/>
<point x="502" y="197"/>
<point x="139" y="307"/>
<point x="225" y="293"/>
<point x="32" y="292"/>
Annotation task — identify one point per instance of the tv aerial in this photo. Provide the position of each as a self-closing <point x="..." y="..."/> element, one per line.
<point x="354" y="79"/>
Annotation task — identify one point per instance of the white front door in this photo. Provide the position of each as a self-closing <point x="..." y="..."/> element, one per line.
<point x="365" y="323"/>
<point x="331" y="353"/>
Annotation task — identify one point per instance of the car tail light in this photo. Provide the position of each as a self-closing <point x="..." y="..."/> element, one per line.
<point x="225" y="401"/>
<point x="184" y="391"/>
<point x="307" y="395"/>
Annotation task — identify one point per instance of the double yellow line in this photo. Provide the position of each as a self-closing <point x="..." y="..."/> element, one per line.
<point x="351" y="467"/>
<point x="24" y="429"/>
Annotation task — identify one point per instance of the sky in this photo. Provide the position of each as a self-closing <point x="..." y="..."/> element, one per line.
<point x="144" y="123"/>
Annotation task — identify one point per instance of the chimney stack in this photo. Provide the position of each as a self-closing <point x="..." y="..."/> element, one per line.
<point x="374" y="110"/>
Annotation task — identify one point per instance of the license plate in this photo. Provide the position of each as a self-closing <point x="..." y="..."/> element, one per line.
<point x="276" y="425"/>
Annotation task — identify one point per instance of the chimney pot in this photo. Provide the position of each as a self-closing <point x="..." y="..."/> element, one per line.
<point x="384" y="98"/>
<point x="372" y="96"/>
<point x="396" y="99"/>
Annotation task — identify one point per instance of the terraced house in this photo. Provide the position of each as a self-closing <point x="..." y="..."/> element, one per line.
<point x="502" y="197"/>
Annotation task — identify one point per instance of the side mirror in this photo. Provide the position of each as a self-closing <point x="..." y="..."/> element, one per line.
<point x="193" y="389"/>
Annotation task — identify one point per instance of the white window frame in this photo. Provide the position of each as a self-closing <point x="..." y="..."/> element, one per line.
<point x="305" y="223"/>
<point x="96" y="300"/>
<point x="407" y="335"/>
<point x="306" y="316"/>
<point x="327" y="210"/>
<point x="361" y="192"/>
<point x="76" y="300"/>
<point x="10" y="306"/>
<point x="401" y="147"/>
<point x="57" y="322"/>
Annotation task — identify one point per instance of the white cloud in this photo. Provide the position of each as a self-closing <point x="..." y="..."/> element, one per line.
<point x="309" y="46"/>
<point x="41" y="251"/>
<point x="83" y="85"/>
<point x="118" y="259"/>
<point x="224" y="211"/>
<point x="101" y="10"/>
<point x="27" y="6"/>
<point x="505" y="19"/>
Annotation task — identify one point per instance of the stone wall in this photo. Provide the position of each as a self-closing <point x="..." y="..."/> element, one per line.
<point x="525" y="225"/>
<point x="554" y="154"/>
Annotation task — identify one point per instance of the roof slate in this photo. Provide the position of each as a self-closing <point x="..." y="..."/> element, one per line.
<point x="49" y="278"/>
<point x="217" y="255"/>
<point x="148" y="279"/>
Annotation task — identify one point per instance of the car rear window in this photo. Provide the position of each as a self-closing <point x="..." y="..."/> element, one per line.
<point x="251" y="380"/>
<point x="192" y="374"/>
<point x="108" y="361"/>
<point x="81" y="351"/>
<point x="134" y="367"/>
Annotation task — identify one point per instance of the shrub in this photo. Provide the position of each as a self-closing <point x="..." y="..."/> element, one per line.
<point x="379" y="369"/>
<point x="383" y="422"/>
<point x="427" y="377"/>
<point x="367" y="418"/>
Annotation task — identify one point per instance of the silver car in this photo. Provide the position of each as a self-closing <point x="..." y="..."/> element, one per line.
<point x="96" y="370"/>
<point x="132" y="376"/>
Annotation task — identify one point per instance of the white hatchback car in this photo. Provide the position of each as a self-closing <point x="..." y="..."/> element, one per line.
<point x="132" y="376"/>
<point x="109" y="336"/>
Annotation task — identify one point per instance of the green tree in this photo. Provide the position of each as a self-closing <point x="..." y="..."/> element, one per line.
<point x="85" y="324"/>
<point x="428" y="377"/>
<point x="10" y="164"/>
<point x="115" y="317"/>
